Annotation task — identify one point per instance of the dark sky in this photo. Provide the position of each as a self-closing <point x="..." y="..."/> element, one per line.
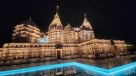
<point x="109" y="18"/>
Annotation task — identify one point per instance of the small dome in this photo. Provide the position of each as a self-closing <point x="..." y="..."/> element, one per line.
<point x="29" y="22"/>
<point x="86" y="25"/>
<point x="26" y="32"/>
<point x="68" y="27"/>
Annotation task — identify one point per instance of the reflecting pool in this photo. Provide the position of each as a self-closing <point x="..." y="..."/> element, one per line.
<point x="74" y="69"/>
<point x="120" y="66"/>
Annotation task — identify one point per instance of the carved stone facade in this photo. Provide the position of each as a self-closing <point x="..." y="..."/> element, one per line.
<point x="26" y="32"/>
<point x="30" y="45"/>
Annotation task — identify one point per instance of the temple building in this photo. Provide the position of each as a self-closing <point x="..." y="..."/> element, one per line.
<point x="59" y="42"/>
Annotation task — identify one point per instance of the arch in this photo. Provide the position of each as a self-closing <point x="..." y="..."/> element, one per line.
<point x="58" y="45"/>
<point x="27" y="45"/>
<point x="11" y="46"/>
<point x="44" y="45"/>
<point x="40" y="45"/>
<point x="31" y="45"/>
<point x="35" y="45"/>
<point x="16" y="46"/>
<point x="20" y="46"/>
<point x="24" y="45"/>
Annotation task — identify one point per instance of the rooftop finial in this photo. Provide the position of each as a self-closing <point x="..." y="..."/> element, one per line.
<point x="85" y="15"/>
<point x="57" y="9"/>
<point x="30" y="18"/>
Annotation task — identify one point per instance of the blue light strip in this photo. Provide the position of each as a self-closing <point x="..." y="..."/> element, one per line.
<point x="121" y="70"/>
<point x="99" y="71"/>
<point x="10" y="72"/>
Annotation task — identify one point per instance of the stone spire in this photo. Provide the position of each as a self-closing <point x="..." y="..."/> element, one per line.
<point x="86" y="24"/>
<point x="30" y="18"/>
<point x="85" y="16"/>
<point x="57" y="10"/>
<point x="68" y="27"/>
<point x="56" y="23"/>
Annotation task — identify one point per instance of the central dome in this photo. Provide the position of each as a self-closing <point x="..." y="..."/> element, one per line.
<point x="56" y="23"/>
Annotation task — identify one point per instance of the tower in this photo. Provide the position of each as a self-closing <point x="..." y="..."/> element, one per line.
<point x="26" y="32"/>
<point x="55" y="30"/>
<point x="67" y="33"/>
<point x="86" y="32"/>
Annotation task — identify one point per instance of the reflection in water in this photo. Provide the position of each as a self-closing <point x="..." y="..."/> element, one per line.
<point x="75" y="70"/>
<point x="108" y="63"/>
<point x="62" y="71"/>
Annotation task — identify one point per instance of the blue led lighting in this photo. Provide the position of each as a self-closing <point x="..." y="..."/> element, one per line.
<point x="122" y="69"/>
<point x="2" y="73"/>
<point x="99" y="71"/>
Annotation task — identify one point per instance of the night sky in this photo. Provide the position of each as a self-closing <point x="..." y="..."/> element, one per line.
<point x="110" y="19"/>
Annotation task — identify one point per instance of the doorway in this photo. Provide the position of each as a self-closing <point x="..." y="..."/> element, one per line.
<point x="58" y="53"/>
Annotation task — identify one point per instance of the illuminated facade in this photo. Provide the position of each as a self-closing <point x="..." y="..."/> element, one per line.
<point x="30" y="45"/>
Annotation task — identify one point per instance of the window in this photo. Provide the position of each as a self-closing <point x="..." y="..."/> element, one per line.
<point x="41" y="40"/>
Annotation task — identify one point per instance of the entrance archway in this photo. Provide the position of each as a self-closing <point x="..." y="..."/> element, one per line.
<point x="58" y="53"/>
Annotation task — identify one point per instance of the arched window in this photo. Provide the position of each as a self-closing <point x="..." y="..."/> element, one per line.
<point x="24" y="45"/>
<point x="31" y="45"/>
<point x="16" y="46"/>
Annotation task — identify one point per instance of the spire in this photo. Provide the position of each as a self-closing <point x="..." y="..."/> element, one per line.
<point x="68" y="25"/>
<point x="30" y="18"/>
<point x="56" y="21"/>
<point x="85" y="15"/>
<point x="86" y="24"/>
<point x="57" y="10"/>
